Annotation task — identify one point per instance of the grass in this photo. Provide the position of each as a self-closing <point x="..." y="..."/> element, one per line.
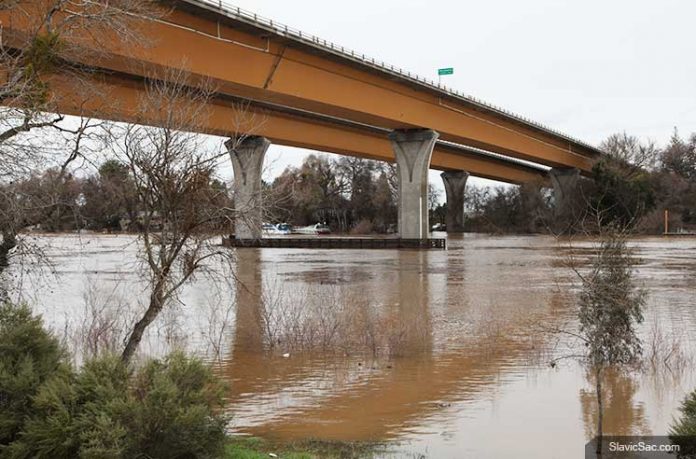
<point x="257" y="448"/>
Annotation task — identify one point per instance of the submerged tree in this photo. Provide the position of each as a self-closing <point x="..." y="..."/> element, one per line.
<point x="610" y="308"/>
<point x="181" y="206"/>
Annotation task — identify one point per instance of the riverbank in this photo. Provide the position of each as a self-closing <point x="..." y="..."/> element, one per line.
<point x="257" y="448"/>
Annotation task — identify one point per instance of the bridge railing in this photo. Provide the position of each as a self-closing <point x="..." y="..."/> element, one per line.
<point x="227" y="8"/>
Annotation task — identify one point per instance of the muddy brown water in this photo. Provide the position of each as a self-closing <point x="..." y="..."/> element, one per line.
<point x="436" y="353"/>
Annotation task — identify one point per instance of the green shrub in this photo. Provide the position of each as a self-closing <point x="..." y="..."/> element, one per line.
<point x="164" y="409"/>
<point x="687" y="424"/>
<point x="28" y="357"/>
<point x="622" y="194"/>
<point x="174" y="403"/>
<point x="683" y="431"/>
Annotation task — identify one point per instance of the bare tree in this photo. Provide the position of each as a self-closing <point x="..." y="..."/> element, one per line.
<point x="173" y="171"/>
<point x="28" y="197"/>
<point x="630" y="151"/>
<point x="434" y="196"/>
<point x="52" y="37"/>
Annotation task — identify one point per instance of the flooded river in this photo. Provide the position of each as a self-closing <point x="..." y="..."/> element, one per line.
<point x="442" y="354"/>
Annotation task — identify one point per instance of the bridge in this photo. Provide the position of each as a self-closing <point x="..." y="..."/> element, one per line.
<point x="313" y="94"/>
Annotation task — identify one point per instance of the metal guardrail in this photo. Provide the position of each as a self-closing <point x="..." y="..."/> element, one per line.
<point x="237" y="13"/>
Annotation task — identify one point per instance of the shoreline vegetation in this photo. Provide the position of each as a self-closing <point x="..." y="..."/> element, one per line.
<point x="242" y="447"/>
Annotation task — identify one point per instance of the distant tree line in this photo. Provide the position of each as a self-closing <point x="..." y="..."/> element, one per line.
<point x="349" y="194"/>
<point x="633" y="184"/>
<point x="106" y="200"/>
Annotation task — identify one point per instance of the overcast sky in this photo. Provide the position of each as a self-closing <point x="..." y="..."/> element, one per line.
<point x="586" y="67"/>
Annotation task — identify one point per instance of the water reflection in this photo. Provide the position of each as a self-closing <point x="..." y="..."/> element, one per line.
<point x="249" y="320"/>
<point x="623" y="415"/>
<point x="410" y="318"/>
<point x="367" y="395"/>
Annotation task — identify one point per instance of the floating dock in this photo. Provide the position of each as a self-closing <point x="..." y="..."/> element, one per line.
<point x="323" y="242"/>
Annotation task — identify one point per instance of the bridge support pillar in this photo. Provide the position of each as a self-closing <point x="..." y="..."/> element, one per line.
<point x="247" y="156"/>
<point x="455" y="184"/>
<point x="564" y="183"/>
<point x="413" y="150"/>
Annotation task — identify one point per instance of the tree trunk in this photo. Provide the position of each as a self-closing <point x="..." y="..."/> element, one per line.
<point x="600" y="409"/>
<point x="153" y="310"/>
<point x="9" y="242"/>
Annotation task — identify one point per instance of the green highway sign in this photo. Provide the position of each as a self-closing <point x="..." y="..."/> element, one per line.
<point x="447" y="71"/>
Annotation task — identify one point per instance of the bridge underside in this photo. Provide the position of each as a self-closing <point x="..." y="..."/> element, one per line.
<point x="121" y="99"/>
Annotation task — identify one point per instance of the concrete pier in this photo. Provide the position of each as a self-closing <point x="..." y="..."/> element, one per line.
<point x="455" y="186"/>
<point x="247" y="157"/>
<point x="413" y="150"/>
<point x="565" y="182"/>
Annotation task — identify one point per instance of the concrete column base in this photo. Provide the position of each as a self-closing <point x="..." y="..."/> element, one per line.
<point x="565" y="182"/>
<point x="247" y="157"/>
<point x="455" y="185"/>
<point x="413" y="150"/>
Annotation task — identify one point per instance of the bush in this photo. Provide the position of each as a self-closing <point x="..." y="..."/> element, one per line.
<point x="683" y="431"/>
<point x="687" y="424"/>
<point x="164" y="409"/>
<point x="28" y="357"/>
<point x="622" y="194"/>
